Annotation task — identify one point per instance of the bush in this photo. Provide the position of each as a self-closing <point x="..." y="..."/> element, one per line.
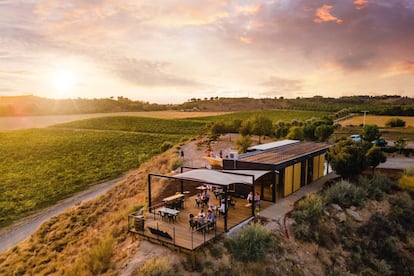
<point x="345" y="194"/>
<point x="395" y="122"/>
<point x="166" y="146"/>
<point x="156" y="267"/>
<point x="251" y="245"/>
<point x="406" y="182"/>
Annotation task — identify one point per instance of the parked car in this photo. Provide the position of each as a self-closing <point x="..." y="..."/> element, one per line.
<point x="380" y="142"/>
<point x="356" y="138"/>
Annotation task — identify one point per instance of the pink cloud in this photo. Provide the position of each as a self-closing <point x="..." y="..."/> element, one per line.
<point x="360" y="4"/>
<point x="323" y="14"/>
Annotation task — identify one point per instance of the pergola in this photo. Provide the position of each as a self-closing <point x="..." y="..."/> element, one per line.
<point x="222" y="179"/>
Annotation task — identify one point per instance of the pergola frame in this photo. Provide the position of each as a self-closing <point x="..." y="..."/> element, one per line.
<point x="224" y="186"/>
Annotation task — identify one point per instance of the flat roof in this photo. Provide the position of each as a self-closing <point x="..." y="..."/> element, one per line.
<point x="223" y="178"/>
<point x="271" y="145"/>
<point x="286" y="153"/>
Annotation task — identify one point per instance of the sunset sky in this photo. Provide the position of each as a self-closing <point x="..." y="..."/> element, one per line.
<point x="170" y="51"/>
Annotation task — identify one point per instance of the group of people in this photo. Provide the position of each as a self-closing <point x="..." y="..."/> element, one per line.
<point x="203" y="219"/>
<point x="203" y="198"/>
<point x="253" y="199"/>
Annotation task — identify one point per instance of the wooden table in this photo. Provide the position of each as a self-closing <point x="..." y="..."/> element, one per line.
<point x="168" y="212"/>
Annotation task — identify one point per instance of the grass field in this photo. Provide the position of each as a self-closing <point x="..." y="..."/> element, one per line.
<point x="375" y="120"/>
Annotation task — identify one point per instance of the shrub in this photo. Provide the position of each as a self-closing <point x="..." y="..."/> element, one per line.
<point x="166" y="146"/>
<point x="308" y="209"/>
<point x="406" y="182"/>
<point x="156" y="267"/>
<point x="395" y="122"/>
<point x="251" y="245"/>
<point x="345" y="194"/>
<point x="243" y="143"/>
<point x="176" y="163"/>
<point x="306" y="214"/>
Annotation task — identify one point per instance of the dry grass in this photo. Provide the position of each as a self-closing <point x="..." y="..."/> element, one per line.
<point x="375" y="120"/>
<point x="89" y="238"/>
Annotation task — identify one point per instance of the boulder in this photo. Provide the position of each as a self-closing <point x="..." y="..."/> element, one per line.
<point x="354" y="215"/>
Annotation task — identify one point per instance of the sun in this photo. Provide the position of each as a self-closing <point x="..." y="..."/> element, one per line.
<point x="64" y="82"/>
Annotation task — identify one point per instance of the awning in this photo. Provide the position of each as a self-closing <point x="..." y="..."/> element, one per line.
<point x="224" y="178"/>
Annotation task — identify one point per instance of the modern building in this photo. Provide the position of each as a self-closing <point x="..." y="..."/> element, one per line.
<point x="291" y="165"/>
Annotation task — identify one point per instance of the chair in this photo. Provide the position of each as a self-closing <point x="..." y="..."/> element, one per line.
<point x="193" y="224"/>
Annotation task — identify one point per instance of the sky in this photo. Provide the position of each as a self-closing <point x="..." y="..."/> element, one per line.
<point x="174" y="50"/>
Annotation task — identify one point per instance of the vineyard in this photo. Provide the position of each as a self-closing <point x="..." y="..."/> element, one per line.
<point x="41" y="166"/>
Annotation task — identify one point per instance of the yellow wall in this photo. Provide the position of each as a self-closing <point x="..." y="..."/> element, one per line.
<point x="321" y="164"/>
<point x="318" y="165"/>
<point x="296" y="177"/>
<point x="288" y="180"/>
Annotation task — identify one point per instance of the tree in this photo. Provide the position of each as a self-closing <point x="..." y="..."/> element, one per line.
<point x="347" y="158"/>
<point x="261" y="126"/>
<point x="295" y="133"/>
<point x="323" y="132"/>
<point x="217" y="129"/>
<point x="400" y="144"/>
<point x="375" y="156"/>
<point x="246" y="128"/>
<point x="395" y="122"/>
<point x="243" y="143"/>
<point x="370" y="133"/>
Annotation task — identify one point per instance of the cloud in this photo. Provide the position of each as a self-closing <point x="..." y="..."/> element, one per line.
<point x="281" y="86"/>
<point x="148" y="73"/>
<point x="405" y="67"/>
<point x="323" y="14"/>
<point x="360" y="4"/>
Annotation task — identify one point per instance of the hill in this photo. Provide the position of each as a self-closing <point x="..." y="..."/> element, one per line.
<point x="381" y="105"/>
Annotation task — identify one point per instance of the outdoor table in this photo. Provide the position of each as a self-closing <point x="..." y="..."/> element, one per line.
<point x="171" y="213"/>
<point x="173" y="198"/>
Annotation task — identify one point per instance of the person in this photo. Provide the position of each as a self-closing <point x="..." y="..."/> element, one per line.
<point x="250" y="198"/>
<point x="222" y="208"/>
<point x="221" y="153"/>
<point x="201" y="214"/>
<point x="206" y="198"/>
<point x="211" y="217"/>
<point x="257" y="199"/>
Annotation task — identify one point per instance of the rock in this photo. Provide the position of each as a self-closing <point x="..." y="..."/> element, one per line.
<point x="354" y="215"/>
<point x="353" y="208"/>
<point x="336" y="207"/>
<point x="326" y="213"/>
<point x="341" y="216"/>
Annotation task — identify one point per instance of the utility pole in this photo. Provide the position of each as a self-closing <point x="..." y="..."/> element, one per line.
<point x="365" y="115"/>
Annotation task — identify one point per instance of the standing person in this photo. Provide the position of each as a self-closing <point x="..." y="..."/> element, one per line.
<point x="250" y="198"/>
<point x="257" y="199"/>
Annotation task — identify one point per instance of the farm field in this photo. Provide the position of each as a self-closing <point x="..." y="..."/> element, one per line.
<point x="41" y="166"/>
<point x="24" y="122"/>
<point x="274" y="115"/>
<point x="375" y="120"/>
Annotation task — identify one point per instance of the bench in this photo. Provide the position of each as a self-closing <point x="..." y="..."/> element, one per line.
<point x="161" y="233"/>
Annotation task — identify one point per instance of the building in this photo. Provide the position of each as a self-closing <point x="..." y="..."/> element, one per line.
<point x="291" y="165"/>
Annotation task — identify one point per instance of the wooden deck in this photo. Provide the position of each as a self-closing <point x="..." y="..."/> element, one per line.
<point x="179" y="230"/>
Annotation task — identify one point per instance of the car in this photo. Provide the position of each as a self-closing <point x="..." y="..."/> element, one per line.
<point x="356" y="138"/>
<point x="380" y="142"/>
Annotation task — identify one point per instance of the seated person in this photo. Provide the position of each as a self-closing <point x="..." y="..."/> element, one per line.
<point x="211" y="217"/>
<point x="206" y="197"/>
<point x="198" y="200"/>
<point x="201" y="214"/>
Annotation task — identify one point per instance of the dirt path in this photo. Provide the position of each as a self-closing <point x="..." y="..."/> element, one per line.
<point x="22" y="229"/>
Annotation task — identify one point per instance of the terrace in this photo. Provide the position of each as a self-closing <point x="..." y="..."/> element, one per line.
<point x="166" y="220"/>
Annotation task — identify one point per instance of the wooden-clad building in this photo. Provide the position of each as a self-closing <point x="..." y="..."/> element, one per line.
<point x="292" y="165"/>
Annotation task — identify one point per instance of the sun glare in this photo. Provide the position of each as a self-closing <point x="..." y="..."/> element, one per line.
<point x="64" y="82"/>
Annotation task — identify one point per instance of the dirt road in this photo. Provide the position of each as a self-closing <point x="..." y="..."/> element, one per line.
<point x="22" y="229"/>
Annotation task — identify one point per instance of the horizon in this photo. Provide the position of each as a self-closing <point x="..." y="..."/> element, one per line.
<point x="168" y="52"/>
